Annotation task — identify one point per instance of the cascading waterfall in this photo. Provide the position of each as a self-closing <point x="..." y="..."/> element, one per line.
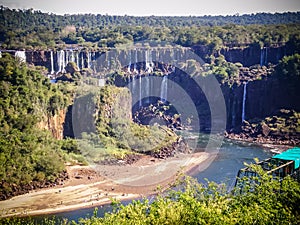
<point x="77" y="59"/>
<point x="52" y="63"/>
<point x="261" y="57"/>
<point x="82" y="61"/>
<point x="72" y="56"/>
<point x="129" y="63"/>
<point x="147" y="66"/>
<point x="133" y="85"/>
<point x="61" y="61"/>
<point x="151" y="64"/>
<point x="20" y="55"/>
<point x="244" y="101"/>
<point x="67" y="57"/>
<point x="135" y="60"/>
<point x="140" y="91"/>
<point x="0" y="54"/>
<point x="147" y="88"/>
<point x="89" y="60"/>
<point x="164" y="89"/>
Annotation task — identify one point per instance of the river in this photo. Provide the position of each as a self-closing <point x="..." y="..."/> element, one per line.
<point x="223" y="169"/>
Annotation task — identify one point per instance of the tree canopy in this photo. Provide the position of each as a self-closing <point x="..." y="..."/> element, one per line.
<point x="36" y="30"/>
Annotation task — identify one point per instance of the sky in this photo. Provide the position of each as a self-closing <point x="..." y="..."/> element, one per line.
<point x="156" y="7"/>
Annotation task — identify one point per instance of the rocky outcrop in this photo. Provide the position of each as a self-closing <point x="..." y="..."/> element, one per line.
<point x="180" y="146"/>
<point x="39" y="58"/>
<point x="54" y="123"/>
<point x="281" y="128"/>
<point x="247" y="55"/>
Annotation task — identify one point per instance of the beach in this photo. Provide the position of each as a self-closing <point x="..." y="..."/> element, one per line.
<point x="92" y="186"/>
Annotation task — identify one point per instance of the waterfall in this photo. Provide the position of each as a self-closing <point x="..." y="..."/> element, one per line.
<point x="88" y="60"/>
<point x="67" y="57"/>
<point x="150" y="63"/>
<point x="244" y="101"/>
<point x="129" y="63"/>
<point x="20" y="55"/>
<point x="77" y="59"/>
<point x="147" y="88"/>
<point x="140" y="91"/>
<point x="147" y="67"/>
<point x="82" y="61"/>
<point x="135" y="61"/>
<point x="0" y="54"/>
<point x="261" y="56"/>
<point x="52" y="64"/>
<point x="61" y="61"/>
<point x="133" y="85"/>
<point x="164" y="89"/>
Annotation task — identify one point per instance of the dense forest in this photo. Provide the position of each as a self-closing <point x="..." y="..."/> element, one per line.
<point x="30" y="155"/>
<point x="36" y="30"/>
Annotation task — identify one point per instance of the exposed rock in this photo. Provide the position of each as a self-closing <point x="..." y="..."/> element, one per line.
<point x="282" y="128"/>
<point x="54" y="123"/>
<point x="265" y="129"/>
<point x="170" y="151"/>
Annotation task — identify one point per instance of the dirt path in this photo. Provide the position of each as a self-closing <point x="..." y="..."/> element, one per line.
<point x="89" y="187"/>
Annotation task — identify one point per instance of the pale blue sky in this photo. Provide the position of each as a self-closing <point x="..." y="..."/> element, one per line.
<point x="156" y="7"/>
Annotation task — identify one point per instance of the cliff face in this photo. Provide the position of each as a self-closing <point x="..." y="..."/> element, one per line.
<point x="263" y="98"/>
<point x="39" y="58"/>
<point x="55" y="124"/>
<point x="253" y="100"/>
<point x="55" y="61"/>
<point x="248" y="56"/>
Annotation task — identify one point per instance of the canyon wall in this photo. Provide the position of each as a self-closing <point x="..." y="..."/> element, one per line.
<point x="248" y="56"/>
<point x="55" y="124"/>
<point x="258" y="99"/>
<point x="55" y="61"/>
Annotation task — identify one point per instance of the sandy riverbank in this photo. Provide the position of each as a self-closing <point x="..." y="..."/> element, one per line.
<point x="88" y="187"/>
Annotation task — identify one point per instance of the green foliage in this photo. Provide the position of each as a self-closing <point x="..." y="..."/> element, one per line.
<point x="226" y="72"/>
<point x="35" y="30"/>
<point x="70" y="145"/>
<point x="284" y="124"/>
<point x="27" y="153"/>
<point x="270" y="202"/>
<point x="267" y="202"/>
<point x="108" y="130"/>
<point x="289" y="68"/>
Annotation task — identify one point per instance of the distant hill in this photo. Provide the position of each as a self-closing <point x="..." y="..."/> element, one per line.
<point x="30" y="18"/>
<point x="29" y="29"/>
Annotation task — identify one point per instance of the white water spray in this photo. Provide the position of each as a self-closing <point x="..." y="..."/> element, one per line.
<point x="244" y="102"/>
<point x="135" y="61"/>
<point x="52" y="63"/>
<point x="61" y="61"/>
<point x="20" y="55"/>
<point x="147" y="87"/>
<point x="129" y="63"/>
<point x="82" y="61"/>
<point x="140" y="91"/>
<point x="77" y="59"/>
<point x="164" y="89"/>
